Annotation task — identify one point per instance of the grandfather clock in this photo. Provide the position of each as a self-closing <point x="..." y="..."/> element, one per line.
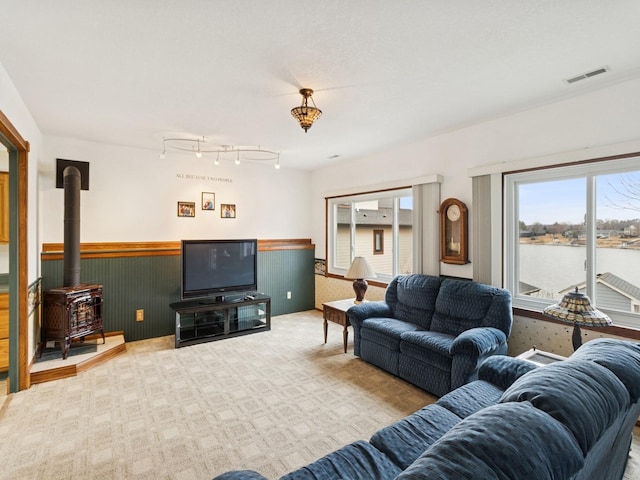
<point x="453" y="232"/>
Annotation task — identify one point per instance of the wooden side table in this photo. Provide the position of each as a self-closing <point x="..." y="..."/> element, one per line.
<point x="336" y="312"/>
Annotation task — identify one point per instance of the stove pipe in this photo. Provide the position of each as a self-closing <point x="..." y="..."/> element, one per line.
<point x="71" y="183"/>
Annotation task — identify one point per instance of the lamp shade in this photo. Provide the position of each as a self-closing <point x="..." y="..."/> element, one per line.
<point x="576" y="308"/>
<point x="360" y="268"/>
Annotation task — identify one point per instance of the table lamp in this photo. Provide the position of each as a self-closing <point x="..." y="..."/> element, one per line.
<point x="360" y="269"/>
<point x="576" y="308"/>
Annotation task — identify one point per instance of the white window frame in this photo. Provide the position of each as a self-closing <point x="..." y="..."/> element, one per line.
<point x="332" y="204"/>
<point x="590" y="171"/>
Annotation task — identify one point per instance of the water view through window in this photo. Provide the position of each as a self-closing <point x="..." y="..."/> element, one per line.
<point x="554" y="238"/>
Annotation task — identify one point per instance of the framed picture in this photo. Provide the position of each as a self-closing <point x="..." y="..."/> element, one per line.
<point x="227" y="210"/>
<point x="186" y="209"/>
<point x="208" y="201"/>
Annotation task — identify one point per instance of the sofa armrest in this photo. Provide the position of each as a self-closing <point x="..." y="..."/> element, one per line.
<point x="240" y="475"/>
<point x="360" y="312"/>
<point x="470" y="348"/>
<point x="478" y="341"/>
<point x="502" y="371"/>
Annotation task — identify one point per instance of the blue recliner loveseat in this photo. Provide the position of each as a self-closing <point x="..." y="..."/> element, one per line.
<point x="433" y="332"/>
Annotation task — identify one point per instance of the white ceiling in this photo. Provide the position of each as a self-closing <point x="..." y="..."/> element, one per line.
<point x="131" y="72"/>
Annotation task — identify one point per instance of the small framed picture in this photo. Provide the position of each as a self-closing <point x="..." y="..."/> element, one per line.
<point x="186" y="209"/>
<point x="208" y="201"/>
<point x="227" y="210"/>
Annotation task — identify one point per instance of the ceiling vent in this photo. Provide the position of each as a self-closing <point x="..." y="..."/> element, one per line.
<point x="590" y="74"/>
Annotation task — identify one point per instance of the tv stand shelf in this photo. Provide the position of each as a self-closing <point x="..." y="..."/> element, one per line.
<point x="204" y="320"/>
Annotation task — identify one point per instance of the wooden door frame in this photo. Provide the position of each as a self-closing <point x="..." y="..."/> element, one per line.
<point x="18" y="297"/>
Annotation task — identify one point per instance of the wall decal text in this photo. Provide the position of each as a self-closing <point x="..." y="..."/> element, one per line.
<point x="207" y="178"/>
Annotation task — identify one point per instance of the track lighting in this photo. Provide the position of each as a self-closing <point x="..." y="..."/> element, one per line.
<point x="164" y="150"/>
<point x="196" y="145"/>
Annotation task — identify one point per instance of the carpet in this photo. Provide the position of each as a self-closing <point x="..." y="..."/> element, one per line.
<point x="271" y="401"/>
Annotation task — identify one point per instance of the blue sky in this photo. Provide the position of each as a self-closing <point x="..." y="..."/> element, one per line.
<point x="564" y="201"/>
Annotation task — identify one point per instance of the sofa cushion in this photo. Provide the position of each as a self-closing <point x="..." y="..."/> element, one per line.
<point x="462" y="305"/>
<point x="492" y="444"/>
<point x="406" y="440"/>
<point x="421" y="343"/>
<point x="470" y="398"/>
<point x="386" y="331"/>
<point x="584" y="396"/>
<point x="356" y="460"/>
<point x="621" y="357"/>
<point x="412" y="298"/>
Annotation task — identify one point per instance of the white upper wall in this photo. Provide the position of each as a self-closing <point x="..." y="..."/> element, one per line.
<point x="133" y="196"/>
<point x="603" y="117"/>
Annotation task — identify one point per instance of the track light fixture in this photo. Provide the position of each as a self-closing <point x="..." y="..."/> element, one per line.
<point x="305" y="114"/>
<point x="256" y="154"/>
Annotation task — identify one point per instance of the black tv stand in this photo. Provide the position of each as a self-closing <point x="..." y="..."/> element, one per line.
<point x="206" y="319"/>
<point x="223" y="299"/>
<point x="211" y="301"/>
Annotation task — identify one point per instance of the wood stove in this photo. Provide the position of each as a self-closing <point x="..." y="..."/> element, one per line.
<point x="71" y="313"/>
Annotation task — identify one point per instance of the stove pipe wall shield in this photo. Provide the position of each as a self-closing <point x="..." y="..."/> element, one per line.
<point x="72" y="186"/>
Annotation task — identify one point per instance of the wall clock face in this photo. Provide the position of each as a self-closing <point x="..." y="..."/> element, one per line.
<point x="453" y="213"/>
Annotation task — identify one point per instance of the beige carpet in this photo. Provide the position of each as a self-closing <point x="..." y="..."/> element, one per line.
<point x="271" y="401"/>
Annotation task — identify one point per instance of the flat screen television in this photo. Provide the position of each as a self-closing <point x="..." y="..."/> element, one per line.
<point x="212" y="268"/>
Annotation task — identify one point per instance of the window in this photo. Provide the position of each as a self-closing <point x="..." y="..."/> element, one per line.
<point x="354" y="220"/>
<point x="378" y="242"/>
<point x="575" y="226"/>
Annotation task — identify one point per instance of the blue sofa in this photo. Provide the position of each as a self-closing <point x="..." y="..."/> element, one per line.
<point x="433" y="332"/>
<point x="569" y="420"/>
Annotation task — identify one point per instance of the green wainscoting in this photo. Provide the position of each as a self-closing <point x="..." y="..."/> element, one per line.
<point x="152" y="281"/>
<point x="283" y="271"/>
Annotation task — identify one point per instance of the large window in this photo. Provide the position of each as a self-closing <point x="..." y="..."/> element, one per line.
<point x="377" y="226"/>
<point x="576" y="226"/>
